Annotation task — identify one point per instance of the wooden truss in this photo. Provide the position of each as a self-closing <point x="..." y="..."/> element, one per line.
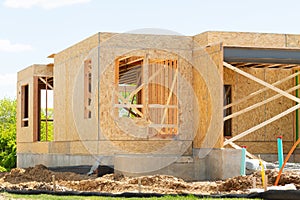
<point x="267" y="86"/>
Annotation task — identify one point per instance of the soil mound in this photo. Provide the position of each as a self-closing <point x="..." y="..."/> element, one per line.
<point x="40" y="178"/>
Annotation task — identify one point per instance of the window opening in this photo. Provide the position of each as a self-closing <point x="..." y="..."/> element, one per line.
<point x="228" y="111"/>
<point x="156" y="102"/>
<point x="87" y="89"/>
<point x="25" y="105"/>
<point x="129" y="78"/>
<point x="45" y="109"/>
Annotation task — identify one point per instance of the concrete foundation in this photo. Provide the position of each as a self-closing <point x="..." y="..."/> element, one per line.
<point x="205" y="164"/>
<point x="55" y="160"/>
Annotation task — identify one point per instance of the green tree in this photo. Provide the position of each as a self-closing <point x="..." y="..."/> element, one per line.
<point x="7" y="134"/>
<point x="46" y="134"/>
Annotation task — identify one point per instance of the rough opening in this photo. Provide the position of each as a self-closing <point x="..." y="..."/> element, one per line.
<point x="129" y="78"/>
<point x="146" y="91"/>
<point x="25" y="105"/>
<point x="227" y="111"/>
<point x="45" y="109"/>
<point x="87" y="89"/>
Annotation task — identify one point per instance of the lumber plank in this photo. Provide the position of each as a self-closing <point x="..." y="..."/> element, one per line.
<point x="261" y="90"/>
<point x="259" y="104"/>
<point x="238" y="147"/>
<point x="272" y="87"/>
<point x="243" y="134"/>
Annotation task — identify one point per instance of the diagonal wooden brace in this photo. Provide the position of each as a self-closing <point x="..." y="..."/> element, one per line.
<point x="270" y="86"/>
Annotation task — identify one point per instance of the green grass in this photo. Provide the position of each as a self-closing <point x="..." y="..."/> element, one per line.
<point x="54" y="197"/>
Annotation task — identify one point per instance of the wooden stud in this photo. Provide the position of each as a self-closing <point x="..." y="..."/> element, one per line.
<point x="261" y="90"/>
<point x="238" y="147"/>
<point x="35" y="108"/>
<point x="46" y="83"/>
<point x="261" y="82"/>
<point x="243" y="134"/>
<point x="170" y="95"/>
<point x="259" y="104"/>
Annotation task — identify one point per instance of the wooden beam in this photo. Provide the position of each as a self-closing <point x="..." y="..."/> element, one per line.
<point x="127" y="102"/>
<point x="163" y="125"/>
<point x="161" y="106"/>
<point x="238" y="147"/>
<point x="46" y="83"/>
<point x="143" y="84"/>
<point x="261" y="90"/>
<point x="123" y="105"/>
<point x="170" y="95"/>
<point x="261" y="82"/>
<point x="243" y="134"/>
<point x="131" y="62"/>
<point x="259" y="104"/>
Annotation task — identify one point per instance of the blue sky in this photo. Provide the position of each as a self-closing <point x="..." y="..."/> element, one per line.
<point x="30" y="30"/>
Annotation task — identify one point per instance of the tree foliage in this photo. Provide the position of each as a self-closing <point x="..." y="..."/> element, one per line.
<point x="46" y="134"/>
<point x="7" y="134"/>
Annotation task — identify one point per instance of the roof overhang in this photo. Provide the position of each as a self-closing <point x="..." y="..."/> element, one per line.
<point x="261" y="55"/>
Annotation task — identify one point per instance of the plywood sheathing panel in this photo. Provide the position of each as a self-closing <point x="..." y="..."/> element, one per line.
<point x="78" y="49"/>
<point x="248" y="39"/>
<point x="266" y="147"/>
<point x="35" y="147"/>
<point x="26" y="77"/>
<point x="109" y="126"/>
<point x="60" y="131"/>
<point x="292" y="41"/>
<point x="283" y="126"/>
<point x="242" y="87"/>
<point x="204" y="97"/>
<point x="201" y="39"/>
<point x="67" y="72"/>
<point x="68" y="64"/>
<point x="110" y="122"/>
<point x="204" y="103"/>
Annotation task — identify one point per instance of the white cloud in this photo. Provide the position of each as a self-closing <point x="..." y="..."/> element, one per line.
<point x="7" y="46"/>
<point x="46" y="4"/>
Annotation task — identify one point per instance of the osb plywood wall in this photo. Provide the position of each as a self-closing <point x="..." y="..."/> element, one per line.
<point x="26" y="135"/>
<point x="211" y="60"/>
<point x="125" y="129"/>
<point x="242" y="86"/>
<point x="124" y="134"/>
<point x="67" y="64"/>
<point x="247" y="39"/>
<point x="266" y="136"/>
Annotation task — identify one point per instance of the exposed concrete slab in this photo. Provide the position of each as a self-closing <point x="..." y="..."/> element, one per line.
<point x="205" y="164"/>
<point x="55" y="160"/>
<point x="141" y="165"/>
<point x="220" y="163"/>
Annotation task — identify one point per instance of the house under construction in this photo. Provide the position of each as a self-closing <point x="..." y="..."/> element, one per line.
<point x="145" y="104"/>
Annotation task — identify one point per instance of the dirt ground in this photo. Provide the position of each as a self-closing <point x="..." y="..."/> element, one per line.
<point x="40" y="178"/>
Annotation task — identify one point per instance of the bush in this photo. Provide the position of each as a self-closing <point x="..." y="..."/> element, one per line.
<point x="7" y="134"/>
